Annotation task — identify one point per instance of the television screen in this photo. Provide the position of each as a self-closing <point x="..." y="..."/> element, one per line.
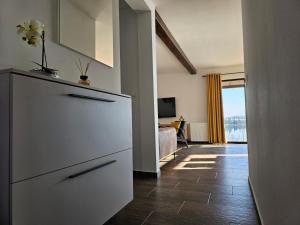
<point x="166" y="107"/>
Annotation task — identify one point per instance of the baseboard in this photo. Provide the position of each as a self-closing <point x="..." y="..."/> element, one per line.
<point x="260" y="218"/>
<point x="198" y="142"/>
<point x="237" y="142"/>
<point x="206" y="142"/>
<point x="143" y="174"/>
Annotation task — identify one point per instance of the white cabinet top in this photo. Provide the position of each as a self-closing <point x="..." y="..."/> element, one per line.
<point x="56" y="80"/>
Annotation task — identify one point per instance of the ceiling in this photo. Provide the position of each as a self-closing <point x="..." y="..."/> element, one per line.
<point x="208" y="31"/>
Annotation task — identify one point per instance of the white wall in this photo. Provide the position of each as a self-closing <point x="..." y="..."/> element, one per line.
<point x="129" y="73"/>
<point x="148" y="91"/>
<point x="138" y="63"/>
<point x="191" y="91"/>
<point x="15" y="53"/>
<point x="272" y="56"/>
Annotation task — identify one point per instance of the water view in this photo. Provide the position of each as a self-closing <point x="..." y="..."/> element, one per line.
<point x="234" y="114"/>
<point x="235" y="128"/>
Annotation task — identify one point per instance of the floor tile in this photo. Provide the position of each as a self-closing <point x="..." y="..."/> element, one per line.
<point x="204" y="185"/>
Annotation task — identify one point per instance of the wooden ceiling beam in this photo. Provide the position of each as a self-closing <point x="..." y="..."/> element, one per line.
<point x="166" y="36"/>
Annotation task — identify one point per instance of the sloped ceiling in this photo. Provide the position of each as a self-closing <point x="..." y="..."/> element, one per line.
<point x="208" y="31"/>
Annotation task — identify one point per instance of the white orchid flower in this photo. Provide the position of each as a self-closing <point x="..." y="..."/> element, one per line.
<point x="33" y="38"/>
<point x="32" y="32"/>
<point x="34" y="41"/>
<point x="36" y="26"/>
<point x="21" y="29"/>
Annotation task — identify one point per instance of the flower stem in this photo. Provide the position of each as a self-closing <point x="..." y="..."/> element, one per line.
<point x="44" y="57"/>
<point x="43" y="49"/>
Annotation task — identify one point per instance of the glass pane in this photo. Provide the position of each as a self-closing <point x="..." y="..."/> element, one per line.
<point x="234" y="114"/>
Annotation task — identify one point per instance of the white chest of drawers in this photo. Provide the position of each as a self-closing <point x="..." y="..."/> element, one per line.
<point x="65" y="152"/>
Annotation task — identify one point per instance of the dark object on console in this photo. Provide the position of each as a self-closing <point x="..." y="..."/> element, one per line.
<point x="180" y="133"/>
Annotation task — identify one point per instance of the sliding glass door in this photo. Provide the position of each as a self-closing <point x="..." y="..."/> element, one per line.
<point x="234" y="113"/>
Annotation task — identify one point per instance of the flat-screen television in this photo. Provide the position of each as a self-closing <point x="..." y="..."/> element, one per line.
<point x="166" y="107"/>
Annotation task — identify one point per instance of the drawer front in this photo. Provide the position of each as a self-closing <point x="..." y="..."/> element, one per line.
<point x="57" y="125"/>
<point x="90" y="198"/>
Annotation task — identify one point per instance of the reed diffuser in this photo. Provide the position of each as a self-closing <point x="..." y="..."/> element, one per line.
<point x="83" y="69"/>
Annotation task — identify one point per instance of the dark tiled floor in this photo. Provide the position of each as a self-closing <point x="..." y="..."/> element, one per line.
<point x="205" y="185"/>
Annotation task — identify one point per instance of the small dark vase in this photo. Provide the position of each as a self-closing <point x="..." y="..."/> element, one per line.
<point x="84" y="77"/>
<point x="84" y="80"/>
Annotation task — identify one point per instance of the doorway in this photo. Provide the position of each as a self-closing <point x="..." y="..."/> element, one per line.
<point x="233" y="92"/>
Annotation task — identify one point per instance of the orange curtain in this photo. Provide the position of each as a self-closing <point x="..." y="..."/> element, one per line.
<point x="216" y="130"/>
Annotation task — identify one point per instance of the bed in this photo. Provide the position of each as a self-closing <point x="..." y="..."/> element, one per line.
<point x="167" y="141"/>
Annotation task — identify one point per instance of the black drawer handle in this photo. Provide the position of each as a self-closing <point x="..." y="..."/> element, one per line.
<point x="91" y="98"/>
<point x="91" y="169"/>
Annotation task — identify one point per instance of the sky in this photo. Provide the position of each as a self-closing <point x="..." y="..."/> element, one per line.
<point x="234" y="101"/>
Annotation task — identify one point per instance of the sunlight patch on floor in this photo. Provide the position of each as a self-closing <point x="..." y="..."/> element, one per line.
<point x="191" y="161"/>
<point x="182" y="167"/>
<point x="212" y="156"/>
<point x="218" y="145"/>
<point x="207" y="146"/>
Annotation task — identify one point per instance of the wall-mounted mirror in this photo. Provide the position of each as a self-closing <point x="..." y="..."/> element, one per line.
<point x="86" y="26"/>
